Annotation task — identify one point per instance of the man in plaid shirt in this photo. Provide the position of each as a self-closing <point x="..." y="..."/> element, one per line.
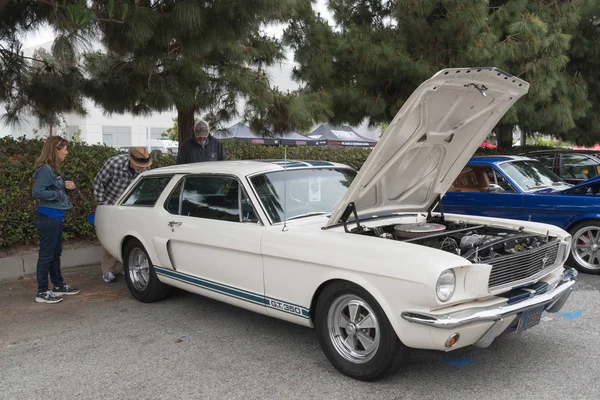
<point x="112" y="180"/>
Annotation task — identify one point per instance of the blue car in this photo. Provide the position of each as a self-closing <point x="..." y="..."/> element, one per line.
<point x="523" y="188"/>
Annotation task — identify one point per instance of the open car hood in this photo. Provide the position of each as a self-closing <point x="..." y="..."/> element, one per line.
<point x="430" y="140"/>
<point x="592" y="182"/>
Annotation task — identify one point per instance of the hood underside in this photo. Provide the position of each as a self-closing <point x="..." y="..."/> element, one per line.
<point x="430" y="140"/>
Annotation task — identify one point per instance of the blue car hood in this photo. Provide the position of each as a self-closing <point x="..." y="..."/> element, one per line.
<point x="592" y="181"/>
<point x="589" y="182"/>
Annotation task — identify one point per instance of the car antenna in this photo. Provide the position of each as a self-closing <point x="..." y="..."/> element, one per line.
<point x="284" y="229"/>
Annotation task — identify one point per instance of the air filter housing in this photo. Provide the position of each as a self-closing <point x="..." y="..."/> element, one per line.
<point x="418" y="230"/>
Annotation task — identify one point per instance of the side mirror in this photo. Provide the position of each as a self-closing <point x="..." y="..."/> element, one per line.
<point x="493" y="188"/>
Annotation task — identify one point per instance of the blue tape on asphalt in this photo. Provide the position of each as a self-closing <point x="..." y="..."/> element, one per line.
<point x="457" y="361"/>
<point x="570" y="315"/>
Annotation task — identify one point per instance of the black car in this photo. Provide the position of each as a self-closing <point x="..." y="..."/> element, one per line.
<point x="574" y="166"/>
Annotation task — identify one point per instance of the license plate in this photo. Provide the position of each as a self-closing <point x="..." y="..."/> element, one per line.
<point x="530" y="318"/>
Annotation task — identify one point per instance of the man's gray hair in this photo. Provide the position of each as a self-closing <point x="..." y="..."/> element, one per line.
<point x="201" y="128"/>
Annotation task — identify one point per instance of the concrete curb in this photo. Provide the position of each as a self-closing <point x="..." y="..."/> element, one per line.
<point x="20" y="266"/>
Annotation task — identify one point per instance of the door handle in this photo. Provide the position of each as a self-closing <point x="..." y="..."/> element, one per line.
<point x="173" y="224"/>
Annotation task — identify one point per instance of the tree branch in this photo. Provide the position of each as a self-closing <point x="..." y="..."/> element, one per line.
<point x="5" y="51"/>
<point x="55" y="5"/>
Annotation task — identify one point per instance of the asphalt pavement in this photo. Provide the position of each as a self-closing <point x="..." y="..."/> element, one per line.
<point x="103" y="344"/>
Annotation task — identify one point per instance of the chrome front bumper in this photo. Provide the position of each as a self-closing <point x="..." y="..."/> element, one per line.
<point x="552" y="301"/>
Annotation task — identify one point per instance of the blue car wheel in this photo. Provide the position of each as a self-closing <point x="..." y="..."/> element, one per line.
<point x="585" y="248"/>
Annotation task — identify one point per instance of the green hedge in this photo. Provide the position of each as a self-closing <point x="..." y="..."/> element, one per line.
<point x="17" y="157"/>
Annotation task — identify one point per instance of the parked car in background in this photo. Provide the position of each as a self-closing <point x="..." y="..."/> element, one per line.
<point x="574" y="166"/>
<point x="162" y="146"/>
<point x="523" y="188"/>
<point x="360" y="257"/>
<point x="165" y="146"/>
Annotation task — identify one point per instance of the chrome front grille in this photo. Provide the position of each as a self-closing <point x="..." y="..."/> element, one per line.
<point x="520" y="266"/>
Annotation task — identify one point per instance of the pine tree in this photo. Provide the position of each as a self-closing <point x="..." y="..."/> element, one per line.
<point x="44" y="85"/>
<point x="585" y="59"/>
<point x="198" y="57"/>
<point x="380" y="51"/>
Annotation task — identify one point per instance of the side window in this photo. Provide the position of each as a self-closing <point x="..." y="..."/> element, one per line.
<point x="172" y="203"/>
<point x="574" y="166"/>
<point x="248" y="212"/>
<point x="547" y="160"/>
<point x="211" y="197"/>
<point x="147" y="191"/>
<point x="471" y="179"/>
<point x="495" y="178"/>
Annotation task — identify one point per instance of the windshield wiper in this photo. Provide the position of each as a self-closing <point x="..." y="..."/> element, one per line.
<point x="310" y="214"/>
<point x="537" y="187"/>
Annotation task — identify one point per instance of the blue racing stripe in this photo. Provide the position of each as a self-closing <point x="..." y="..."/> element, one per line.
<point x="213" y="289"/>
<point x="212" y="286"/>
<point x="254" y="298"/>
<point x="167" y="270"/>
<point x="320" y="163"/>
<point x="287" y="164"/>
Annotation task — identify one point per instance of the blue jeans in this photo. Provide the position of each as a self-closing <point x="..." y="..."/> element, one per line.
<point x="50" y="231"/>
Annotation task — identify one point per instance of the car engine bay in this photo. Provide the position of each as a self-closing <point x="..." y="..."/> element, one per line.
<point x="477" y="243"/>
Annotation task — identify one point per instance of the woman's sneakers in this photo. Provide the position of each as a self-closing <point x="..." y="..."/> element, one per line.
<point x="48" y="297"/>
<point x="55" y="296"/>
<point x="65" y="289"/>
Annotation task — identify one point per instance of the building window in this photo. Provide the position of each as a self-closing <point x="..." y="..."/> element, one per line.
<point x="116" y="136"/>
<point x="156" y="133"/>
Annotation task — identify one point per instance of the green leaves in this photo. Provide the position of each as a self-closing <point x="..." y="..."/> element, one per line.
<point x="528" y="25"/>
<point x="188" y="16"/>
<point x="373" y="59"/>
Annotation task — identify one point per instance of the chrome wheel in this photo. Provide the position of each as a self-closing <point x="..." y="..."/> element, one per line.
<point x="139" y="269"/>
<point x="586" y="247"/>
<point x="353" y="329"/>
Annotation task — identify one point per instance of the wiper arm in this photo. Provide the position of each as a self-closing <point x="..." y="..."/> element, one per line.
<point x="310" y="214"/>
<point x="537" y="187"/>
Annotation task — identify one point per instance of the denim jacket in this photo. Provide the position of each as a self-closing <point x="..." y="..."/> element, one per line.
<point x="49" y="188"/>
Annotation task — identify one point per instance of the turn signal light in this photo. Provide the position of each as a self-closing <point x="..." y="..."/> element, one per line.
<point x="452" y="340"/>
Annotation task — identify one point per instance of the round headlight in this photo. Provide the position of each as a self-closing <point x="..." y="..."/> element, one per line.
<point x="446" y="283"/>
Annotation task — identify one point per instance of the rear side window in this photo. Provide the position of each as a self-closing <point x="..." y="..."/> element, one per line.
<point x="147" y="191"/>
<point x="547" y="160"/>
<point x="211" y="197"/>
<point x="575" y="166"/>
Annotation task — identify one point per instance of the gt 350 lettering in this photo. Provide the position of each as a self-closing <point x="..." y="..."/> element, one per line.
<point x="286" y="307"/>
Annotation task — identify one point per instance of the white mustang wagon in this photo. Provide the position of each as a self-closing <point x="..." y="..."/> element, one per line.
<point x="358" y="256"/>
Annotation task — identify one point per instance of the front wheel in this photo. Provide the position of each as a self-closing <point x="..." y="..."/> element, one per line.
<point x="355" y="333"/>
<point x="585" y="248"/>
<point x="142" y="282"/>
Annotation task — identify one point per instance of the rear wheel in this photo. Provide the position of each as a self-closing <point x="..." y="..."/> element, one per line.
<point x="585" y="249"/>
<point x="355" y="333"/>
<point x="142" y="282"/>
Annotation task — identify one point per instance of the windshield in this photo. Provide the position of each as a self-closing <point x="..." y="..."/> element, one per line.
<point x="307" y="191"/>
<point x="531" y="175"/>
